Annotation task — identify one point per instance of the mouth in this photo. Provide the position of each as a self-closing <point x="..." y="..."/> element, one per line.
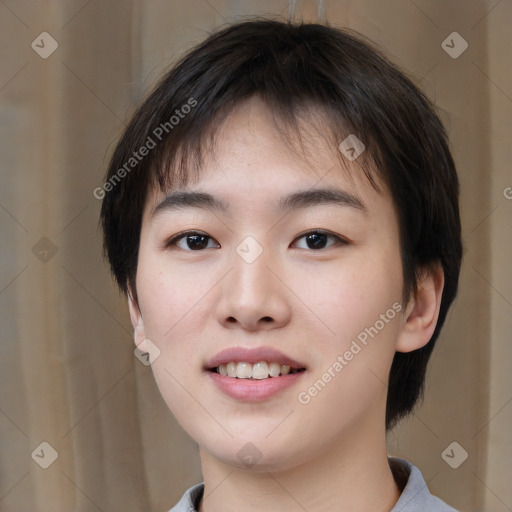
<point x="258" y="371"/>
<point x="259" y="363"/>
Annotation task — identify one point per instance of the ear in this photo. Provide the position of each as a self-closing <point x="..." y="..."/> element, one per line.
<point x="422" y="311"/>
<point x="139" y="333"/>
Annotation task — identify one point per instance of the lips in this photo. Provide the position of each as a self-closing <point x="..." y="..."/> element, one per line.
<point x="258" y="387"/>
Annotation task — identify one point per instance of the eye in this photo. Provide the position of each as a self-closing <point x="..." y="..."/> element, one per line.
<point x="192" y="241"/>
<point x="197" y="241"/>
<point x="318" y="239"/>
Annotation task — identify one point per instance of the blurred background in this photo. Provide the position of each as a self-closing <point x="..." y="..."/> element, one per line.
<point x="82" y="424"/>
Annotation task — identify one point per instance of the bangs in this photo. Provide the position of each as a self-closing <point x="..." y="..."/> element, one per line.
<point x="182" y="155"/>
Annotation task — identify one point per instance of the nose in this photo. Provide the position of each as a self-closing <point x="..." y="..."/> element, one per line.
<point x="253" y="297"/>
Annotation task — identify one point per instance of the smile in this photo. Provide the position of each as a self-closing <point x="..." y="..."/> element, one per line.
<point x="258" y="371"/>
<point x="253" y="374"/>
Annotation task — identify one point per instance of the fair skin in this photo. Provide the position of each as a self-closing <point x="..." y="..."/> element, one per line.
<point x="310" y="303"/>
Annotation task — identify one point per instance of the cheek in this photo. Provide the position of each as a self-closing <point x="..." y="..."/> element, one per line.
<point x="170" y="299"/>
<point x="172" y="310"/>
<point x="360" y="304"/>
<point x="350" y="295"/>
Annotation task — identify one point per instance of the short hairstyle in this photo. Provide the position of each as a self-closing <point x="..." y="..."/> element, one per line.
<point x="298" y="68"/>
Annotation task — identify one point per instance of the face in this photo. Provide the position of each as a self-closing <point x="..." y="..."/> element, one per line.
<point x="280" y="266"/>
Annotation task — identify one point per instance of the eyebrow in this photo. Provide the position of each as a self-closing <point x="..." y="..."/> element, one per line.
<point x="180" y="200"/>
<point x="319" y="196"/>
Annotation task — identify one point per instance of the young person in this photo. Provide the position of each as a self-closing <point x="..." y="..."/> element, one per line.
<point x="282" y="214"/>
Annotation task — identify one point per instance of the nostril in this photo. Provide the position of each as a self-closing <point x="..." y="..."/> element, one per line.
<point x="263" y="319"/>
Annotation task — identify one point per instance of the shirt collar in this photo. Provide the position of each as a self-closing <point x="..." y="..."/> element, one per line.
<point x="415" y="495"/>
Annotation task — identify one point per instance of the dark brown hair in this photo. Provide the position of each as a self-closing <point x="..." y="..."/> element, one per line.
<point x="295" y="68"/>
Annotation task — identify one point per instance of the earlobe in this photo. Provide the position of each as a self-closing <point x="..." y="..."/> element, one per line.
<point x="139" y="333"/>
<point x="422" y="311"/>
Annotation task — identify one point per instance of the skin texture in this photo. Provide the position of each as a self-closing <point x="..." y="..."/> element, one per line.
<point x="308" y="303"/>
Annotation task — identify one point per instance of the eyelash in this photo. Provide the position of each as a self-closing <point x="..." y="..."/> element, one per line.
<point x="339" y="241"/>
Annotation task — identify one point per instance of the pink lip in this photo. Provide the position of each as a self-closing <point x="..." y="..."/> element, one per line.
<point x="252" y="356"/>
<point x="252" y="390"/>
<point x="249" y="390"/>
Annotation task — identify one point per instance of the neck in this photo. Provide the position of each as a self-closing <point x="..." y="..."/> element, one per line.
<point x="351" y="476"/>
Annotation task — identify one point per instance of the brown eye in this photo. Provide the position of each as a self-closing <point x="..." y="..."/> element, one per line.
<point x="192" y="241"/>
<point x="319" y="240"/>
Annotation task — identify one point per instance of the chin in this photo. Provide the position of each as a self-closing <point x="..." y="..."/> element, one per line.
<point x="257" y="456"/>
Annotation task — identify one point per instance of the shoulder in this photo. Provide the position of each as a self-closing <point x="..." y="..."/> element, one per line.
<point x="190" y="499"/>
<point x="415" y="496"/>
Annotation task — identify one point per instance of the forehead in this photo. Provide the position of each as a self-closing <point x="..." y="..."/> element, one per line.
<point x="256" y="155"/>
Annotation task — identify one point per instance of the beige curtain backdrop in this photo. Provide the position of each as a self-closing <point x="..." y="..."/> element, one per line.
<point x="71" y="73"/>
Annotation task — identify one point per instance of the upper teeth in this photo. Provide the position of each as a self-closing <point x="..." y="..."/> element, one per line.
<point x="261" y="370"/>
